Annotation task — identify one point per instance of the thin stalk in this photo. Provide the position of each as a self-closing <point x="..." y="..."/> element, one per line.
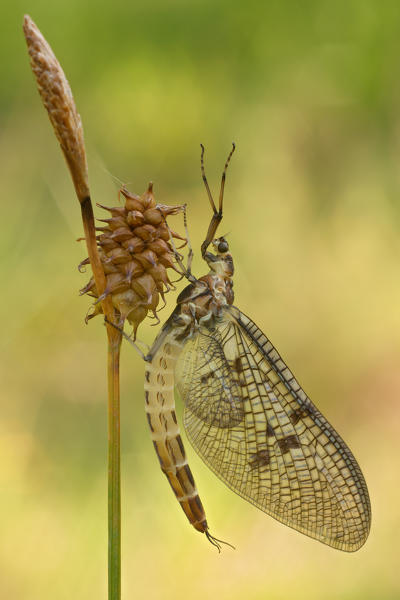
<point x="57" y="98"/>
<point x="114" y="470"/>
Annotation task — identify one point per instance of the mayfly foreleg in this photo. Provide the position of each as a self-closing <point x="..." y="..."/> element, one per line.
<point x="222" y="188"/>
<point x="203" y="174"/>
<point x="189" y="245"/>
<point x="217" y="214"/>
<point x="188" y="269"/>
<point x="185" y="271"/>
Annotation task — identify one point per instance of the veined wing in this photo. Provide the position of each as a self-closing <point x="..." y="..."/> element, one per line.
<point x="253" y="425"/>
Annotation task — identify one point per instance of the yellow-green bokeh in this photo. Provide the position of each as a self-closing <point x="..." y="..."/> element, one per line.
<point x="310" y="93"/>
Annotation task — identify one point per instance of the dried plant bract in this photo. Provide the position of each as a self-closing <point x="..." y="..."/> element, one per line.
<point x="58" y="100"/>
<point x="136" y="253"/>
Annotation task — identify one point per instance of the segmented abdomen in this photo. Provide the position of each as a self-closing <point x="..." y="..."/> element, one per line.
<point x="165" y="433"/>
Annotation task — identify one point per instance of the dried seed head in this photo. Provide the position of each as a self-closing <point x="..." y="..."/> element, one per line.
<point x="135" y="250"/>
<point x="59" y="102"/>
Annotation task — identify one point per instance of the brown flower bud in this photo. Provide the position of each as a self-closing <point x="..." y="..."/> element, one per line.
<point x="121" y="234"/>
<point x="135" y="218"/>
<point x="105" y="242"/>
<point x="135" y="249"/>
<point x="109" y="268"/>
<point x="132" y="269"/>
<point x="145" y="286"/>
<point x="134" y="245"/>
<point x="147" y="259"/>
<point x="118" y="255"/>
<point x="116" y="282"/>
<point x="159" y="274"/>
<point x="124" y="301"/>
<point x="167" y="260"/>
<point x="116" y="211"/>
<point x="136" y="316"/>
<point x="115" y="222"/>
<point x="159" y="246"/>
<point x="147" y="232"/>
<point x="153" y="216"/>
<point x="132" y="201"/>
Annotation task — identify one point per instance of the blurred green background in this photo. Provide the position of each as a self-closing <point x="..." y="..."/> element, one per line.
<point x="310" y="93"/>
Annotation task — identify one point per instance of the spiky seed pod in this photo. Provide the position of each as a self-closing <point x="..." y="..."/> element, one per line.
<point x="135" y="250"/>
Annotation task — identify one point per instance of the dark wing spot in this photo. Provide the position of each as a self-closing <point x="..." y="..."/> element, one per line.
<point x="206" y="377"/>
<point x="259" y="459"/>
<point x="309" y="410"/>
<point x="237" y="365"/>
<point x="146" y="397"/>
<point x="296" y="415"/>
<point x="270" y="430"/>
<point x="147" y="376"/>
<point x="300" y="413"/>
<point x="288" y="442"/>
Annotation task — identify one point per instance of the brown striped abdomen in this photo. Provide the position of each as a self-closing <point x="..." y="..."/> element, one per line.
<point x="165" y="433"/>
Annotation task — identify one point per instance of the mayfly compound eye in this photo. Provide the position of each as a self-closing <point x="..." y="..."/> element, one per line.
<point x="223" y="246"/>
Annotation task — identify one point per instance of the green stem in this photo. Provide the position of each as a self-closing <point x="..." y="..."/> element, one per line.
<point x="58" y="101"/>
<point x="114" y="469"/>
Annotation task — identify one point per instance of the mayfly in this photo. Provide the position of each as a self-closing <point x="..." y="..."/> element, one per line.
<point x="245" y="413"/>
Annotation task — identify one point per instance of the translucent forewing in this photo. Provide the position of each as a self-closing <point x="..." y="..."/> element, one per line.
<point x="253" y="425"/>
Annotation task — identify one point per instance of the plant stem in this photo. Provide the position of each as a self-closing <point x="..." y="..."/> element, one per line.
<point x="113" y="355"/>
<point x="114" y="470"/>
<point x="57" y="98"/>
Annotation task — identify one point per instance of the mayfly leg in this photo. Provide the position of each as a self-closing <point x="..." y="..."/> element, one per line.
<point x="217" y="214"/>
<point x="189" y="245"/>
<point x="203" y="174"/>
<point x="185" y="271"/>
<point x="128" y="338"/>
<point x="222" y="188"/>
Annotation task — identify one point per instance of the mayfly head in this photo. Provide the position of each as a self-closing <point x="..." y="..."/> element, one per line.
<point x="220" y="263"/>
<point x="220" y="245"/>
